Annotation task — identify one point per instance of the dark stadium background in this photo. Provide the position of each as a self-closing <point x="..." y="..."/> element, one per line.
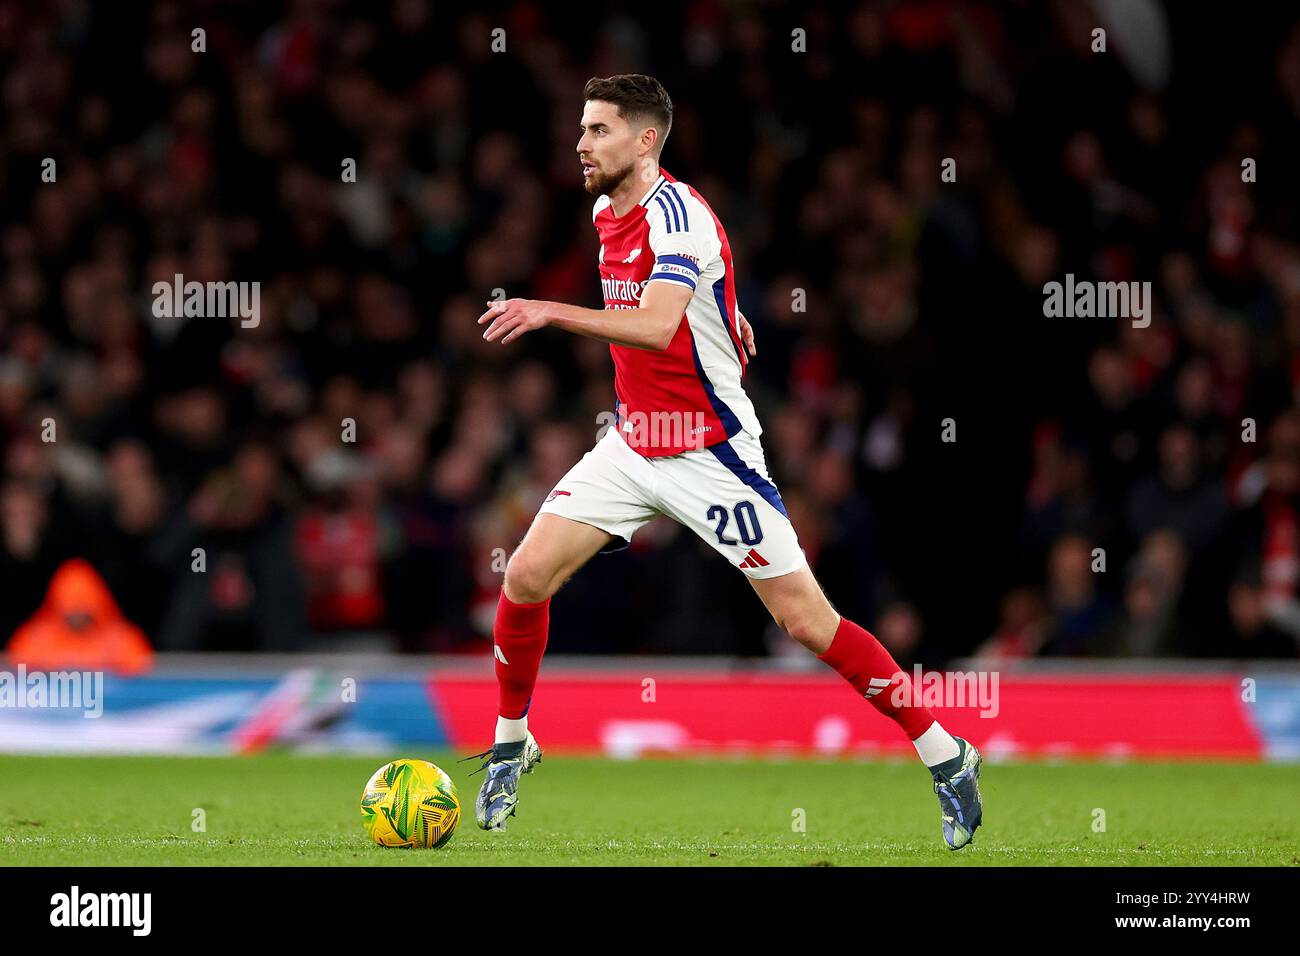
<point x="924" y="302"/>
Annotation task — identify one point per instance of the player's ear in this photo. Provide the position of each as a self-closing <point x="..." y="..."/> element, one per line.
<point x="650" y="140"/>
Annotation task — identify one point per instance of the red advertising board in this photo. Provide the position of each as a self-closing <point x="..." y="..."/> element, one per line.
<point x="630" y="714"/>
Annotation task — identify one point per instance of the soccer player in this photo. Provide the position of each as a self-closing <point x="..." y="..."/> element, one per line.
<point x="685" y="443"/>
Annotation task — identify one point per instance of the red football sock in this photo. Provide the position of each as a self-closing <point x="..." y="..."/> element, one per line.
<point x="863" y="662"/>
<point x="519" y="636"/>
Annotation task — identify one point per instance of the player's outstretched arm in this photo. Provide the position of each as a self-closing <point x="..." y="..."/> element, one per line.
<point x="651" y="325"/>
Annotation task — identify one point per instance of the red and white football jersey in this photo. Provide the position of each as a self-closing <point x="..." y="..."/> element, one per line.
<point x="689" y="395"/>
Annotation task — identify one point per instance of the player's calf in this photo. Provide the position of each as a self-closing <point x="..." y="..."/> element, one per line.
<point x="553" y="548"/>
<point x="800" y="608"/>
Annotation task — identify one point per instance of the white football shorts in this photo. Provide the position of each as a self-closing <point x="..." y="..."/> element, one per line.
<point x="723" y="493"/>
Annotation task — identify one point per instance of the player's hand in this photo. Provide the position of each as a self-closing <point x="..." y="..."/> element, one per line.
<point x="746" y="333"/>
<point x="511" y="318"/>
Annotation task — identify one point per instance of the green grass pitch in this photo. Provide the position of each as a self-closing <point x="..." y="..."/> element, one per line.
<point x="281" y="809"/>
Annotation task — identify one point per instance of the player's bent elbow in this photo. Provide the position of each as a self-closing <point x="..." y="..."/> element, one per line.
<point x="667" y="334"/>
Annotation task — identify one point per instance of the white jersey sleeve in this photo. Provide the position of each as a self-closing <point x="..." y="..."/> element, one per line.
<point x="683" y="236"/>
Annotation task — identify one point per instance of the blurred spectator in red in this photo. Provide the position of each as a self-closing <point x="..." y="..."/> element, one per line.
<point x="338" y="545"/>
<point x="1265" y="541"/>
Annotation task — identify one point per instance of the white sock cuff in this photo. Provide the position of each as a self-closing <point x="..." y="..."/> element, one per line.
<point x="936" y="745"/>
<point x="510" y="731"/>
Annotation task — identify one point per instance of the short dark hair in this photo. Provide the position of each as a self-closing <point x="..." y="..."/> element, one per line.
<point x="640" y="99"/>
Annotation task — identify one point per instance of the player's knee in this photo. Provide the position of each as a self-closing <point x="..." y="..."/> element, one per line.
<point x="529" y="580"/>
<point x="813" y="627"/>
<point x="799" y="626"/>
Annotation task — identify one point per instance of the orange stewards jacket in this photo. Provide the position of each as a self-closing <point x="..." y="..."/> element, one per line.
<point x="79" y="627"/>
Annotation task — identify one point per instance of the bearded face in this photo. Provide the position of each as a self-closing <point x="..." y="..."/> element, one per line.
<point x="600" y="181"/>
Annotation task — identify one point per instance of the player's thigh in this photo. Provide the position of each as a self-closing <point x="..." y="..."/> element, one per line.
<point x="552" y="551"/>
<point x="724" y="494"/>
<point x="600" y="502"/>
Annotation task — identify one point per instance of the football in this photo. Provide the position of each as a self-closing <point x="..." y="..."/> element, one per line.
<point x="410" y="803"/>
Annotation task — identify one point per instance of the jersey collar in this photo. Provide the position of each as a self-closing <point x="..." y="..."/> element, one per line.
<point x="650" y="193"/>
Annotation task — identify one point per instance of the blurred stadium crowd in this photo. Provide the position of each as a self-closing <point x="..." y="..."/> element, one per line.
<point x="923" y="302"/>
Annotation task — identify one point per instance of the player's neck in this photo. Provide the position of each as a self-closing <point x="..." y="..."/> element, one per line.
<point x="631" y="191"/>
